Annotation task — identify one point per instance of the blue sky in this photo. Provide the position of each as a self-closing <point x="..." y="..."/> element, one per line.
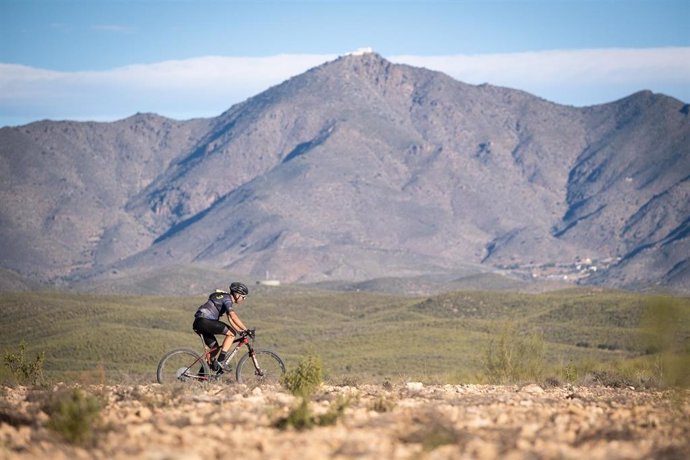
<point x="108" y="59"/>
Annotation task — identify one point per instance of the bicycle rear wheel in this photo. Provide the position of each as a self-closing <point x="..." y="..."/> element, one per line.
<point x="271" y="369"/>
<point x="182" y="365"/>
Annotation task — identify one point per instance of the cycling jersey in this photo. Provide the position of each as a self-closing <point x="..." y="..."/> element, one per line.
<point x="218" y="304"/>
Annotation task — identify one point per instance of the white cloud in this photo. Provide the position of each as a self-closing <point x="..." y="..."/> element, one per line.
<point x="209" y="85"/>
<point x="200" y="87"/>
<point x="595" y="65"/>
<point x="577" y="77"/>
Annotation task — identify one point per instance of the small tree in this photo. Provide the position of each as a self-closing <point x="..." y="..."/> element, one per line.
<point x="76" y="415"/>
<point x="304" y="379"/>
<point x="23" y="370"/>
<point x="511" y="358"/>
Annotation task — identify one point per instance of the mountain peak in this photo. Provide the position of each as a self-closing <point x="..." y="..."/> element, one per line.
<point x="357" y="169"/>
<point x="360" y="52"/>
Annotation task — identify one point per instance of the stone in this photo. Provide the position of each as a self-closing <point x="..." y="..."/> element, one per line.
<point x="414" y="386"/>
<point x="426" y="421"/>
<point x="532" y="388"/>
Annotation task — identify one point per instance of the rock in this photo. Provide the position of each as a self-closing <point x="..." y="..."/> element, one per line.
<point x="532" y="388"/>
<point x="414" y="386"/>
<point x="427" y="421"/>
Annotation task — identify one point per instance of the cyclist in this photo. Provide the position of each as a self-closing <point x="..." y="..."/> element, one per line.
<point x="207" y="320"/>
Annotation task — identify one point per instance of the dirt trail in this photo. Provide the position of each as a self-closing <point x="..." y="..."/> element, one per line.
<point x="379" y="422"/>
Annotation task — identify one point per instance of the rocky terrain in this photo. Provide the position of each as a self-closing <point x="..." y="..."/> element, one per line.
<point x="402" y="421"/>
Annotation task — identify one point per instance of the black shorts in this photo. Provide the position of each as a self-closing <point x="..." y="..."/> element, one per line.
<point x="210" y="326"/>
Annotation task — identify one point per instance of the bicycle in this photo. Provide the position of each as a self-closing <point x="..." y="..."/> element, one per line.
<point x="188" y="366"/>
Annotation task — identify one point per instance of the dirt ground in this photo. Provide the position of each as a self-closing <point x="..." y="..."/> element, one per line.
<point x="406" y="421"/>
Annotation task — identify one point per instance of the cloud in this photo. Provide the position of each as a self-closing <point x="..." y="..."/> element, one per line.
<point x="577" y="77"/>
<point x="595" y="65"/>
<point x="207" y="86"/>
<point x="201" y="87"/>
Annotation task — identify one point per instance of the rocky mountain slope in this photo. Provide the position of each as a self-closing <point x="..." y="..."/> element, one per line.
<point x="354" y="170"/>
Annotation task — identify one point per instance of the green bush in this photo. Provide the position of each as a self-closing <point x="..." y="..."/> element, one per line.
<point x="335" y="411"/>
<point x="301" y="417"/>
<point x="25" y="371"/>
<point x="665" y="322"/>
<point x="304" y="379"/>
<point x="512" y="358"/>
<point x="75" y="415"/>
<point x="383" y="404"/>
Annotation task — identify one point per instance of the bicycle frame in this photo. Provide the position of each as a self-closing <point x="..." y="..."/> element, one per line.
<point x="273" y="368"/>
<point x="240" y="342"/>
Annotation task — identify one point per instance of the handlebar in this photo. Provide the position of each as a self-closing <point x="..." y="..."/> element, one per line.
<point x="251" y="333"/>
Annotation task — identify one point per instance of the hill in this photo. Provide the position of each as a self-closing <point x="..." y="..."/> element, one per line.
<point x="358" y="169"/>
<point x="360" y="336"/>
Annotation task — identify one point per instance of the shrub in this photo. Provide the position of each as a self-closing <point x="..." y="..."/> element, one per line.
<point x="511" y="358"/>
<point x="383" y="404"/>
<point x="304" y="379"/>
<point x="433" y="431"/>
<point x="25" y="371"/>
<point x="335" y="411"/>
<point x="663" y="321"/>
<point x="301" y="417"/>
<point x="75" y="415"/>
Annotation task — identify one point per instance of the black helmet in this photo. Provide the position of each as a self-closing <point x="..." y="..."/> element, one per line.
<point x="239" y="288"/>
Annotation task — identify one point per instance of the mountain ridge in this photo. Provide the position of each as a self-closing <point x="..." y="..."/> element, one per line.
<point x="360" y="169"/>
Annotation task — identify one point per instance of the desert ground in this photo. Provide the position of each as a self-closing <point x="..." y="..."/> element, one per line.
<point x="391" y="421"/>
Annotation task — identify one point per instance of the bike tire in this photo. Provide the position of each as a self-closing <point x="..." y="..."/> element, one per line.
<point x="182" y="365"/>
<point x="270" y="363"/>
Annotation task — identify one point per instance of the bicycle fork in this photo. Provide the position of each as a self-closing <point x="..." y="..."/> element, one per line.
<point x="257" y="368"/>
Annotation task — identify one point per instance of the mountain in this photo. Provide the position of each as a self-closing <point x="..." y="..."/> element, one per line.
<point x="355" y="170"/>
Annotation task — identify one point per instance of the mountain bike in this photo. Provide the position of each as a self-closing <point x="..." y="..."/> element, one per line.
<point x="256" y="367"/>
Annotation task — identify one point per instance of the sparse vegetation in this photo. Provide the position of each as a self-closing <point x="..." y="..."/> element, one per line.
<point x="335" y="411"/>
<point x="303" y="381"/>
<point x="383" y="404"/>
<point x="75" y="415"/>
<point x="305" y="378"/>
<point x="665" y="322"/>
<point x="365" y="338"/>
<point x="514" y="358"/>
<point x="460" y="422"/>
<point x="301" y="416"/>
<point x="432" y="431"/>
<point x="23" y="369"/>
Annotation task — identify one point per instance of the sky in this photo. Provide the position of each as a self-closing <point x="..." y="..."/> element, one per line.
<point x="104" y="60"/>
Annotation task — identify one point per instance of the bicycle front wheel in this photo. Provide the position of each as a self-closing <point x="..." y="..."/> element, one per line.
<point x="182" y="365"/>
<point x="268" y="370"/>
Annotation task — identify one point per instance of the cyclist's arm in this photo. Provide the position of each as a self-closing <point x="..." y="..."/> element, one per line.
<point x="236" y="322"/>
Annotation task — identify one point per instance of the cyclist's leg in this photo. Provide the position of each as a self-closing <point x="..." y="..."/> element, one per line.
<point x="211" y="328"/>
<point x="207" y="331"/>
<point x="229" y="337"/>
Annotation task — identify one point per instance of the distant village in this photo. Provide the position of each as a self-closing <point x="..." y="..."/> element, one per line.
<point x="575" y="271"/>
